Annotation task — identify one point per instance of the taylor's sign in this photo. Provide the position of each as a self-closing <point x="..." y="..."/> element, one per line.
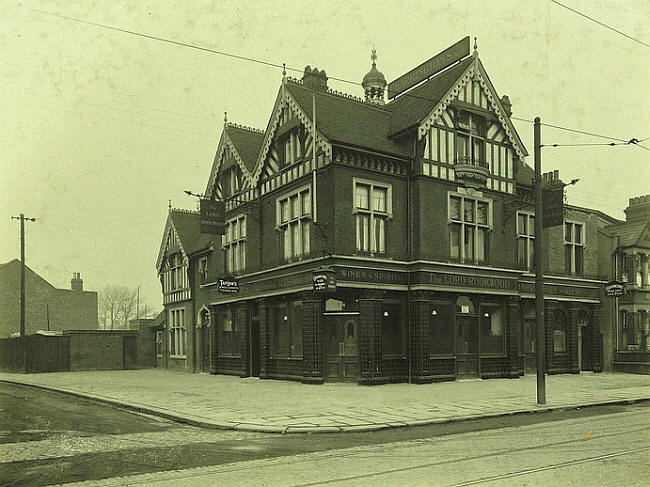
<point x="428" y="68"/>
<point x="212" y="216"/>
<point x="228" y="285"/>
<point x="552" y="207"/>
<point x="615" y="288"/>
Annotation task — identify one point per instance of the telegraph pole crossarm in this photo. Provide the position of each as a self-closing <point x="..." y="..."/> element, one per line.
<point x="22" y="219"/>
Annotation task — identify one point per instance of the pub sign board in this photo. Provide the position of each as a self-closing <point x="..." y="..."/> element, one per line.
<point x="615" y="288"/>
<point x="324" y="280"/>
<point x="212" y="216"/>
<point x="552" y="207"/>
<point x="228" y="285"/>
<point x="430" y="67"/>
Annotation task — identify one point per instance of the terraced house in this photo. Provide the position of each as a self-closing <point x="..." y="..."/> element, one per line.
<point x="417" y="199"/>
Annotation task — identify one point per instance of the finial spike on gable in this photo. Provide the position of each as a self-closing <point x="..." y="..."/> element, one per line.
<point x="475" y="53"/>
<point x="225" y="118"/>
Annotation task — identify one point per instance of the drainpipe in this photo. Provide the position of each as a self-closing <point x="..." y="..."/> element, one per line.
<point x="409" y="257"/>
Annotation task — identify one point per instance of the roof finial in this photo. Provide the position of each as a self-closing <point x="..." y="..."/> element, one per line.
<point x="475" y="47"/>
<point x="169" y="204"/>
<point x="284" y="70"/>
<point x="373" y="56"/>
<point x="225" y="118"/>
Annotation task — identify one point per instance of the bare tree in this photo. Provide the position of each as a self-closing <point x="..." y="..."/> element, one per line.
<point x="117" y="305"/>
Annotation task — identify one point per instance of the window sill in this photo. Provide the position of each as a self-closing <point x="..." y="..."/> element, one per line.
<point x="279" y="357"/>
<point x="178" y="357"/>
<point x="492" y="355"/>
<point x="393" y="356"/>
<point x="442" y="356"/>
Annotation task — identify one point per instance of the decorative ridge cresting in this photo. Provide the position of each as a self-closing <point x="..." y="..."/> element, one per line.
<point x="244" y="127"/>
<point x="339" y="94"/>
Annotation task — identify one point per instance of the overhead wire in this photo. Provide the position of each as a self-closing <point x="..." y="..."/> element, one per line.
<point x="284" y="67"/>
<point x="599" y="23"/>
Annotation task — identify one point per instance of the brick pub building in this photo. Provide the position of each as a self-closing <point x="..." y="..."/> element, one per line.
<point x="422" y="206"/>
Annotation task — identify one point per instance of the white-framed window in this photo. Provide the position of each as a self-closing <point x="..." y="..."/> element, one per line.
<point x="203" y="270"/>
<point x="574" y="243"/>
<point x="470" y="221"/>
<point x="174" y="273"/>
<point x="292" y="149"/>
<point x="470" y="140"/>
<point x="526" y="240"/>
<point x="176" y="321"/>
<point x="234" y="244"/>
<point x="372" y="207"/>
<point x="293" y="217"/>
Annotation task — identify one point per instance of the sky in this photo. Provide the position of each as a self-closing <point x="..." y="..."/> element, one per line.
<point x="100" y="128"/>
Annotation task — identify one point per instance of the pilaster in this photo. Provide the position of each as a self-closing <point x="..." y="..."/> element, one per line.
<point x="370" y="338"/>
<point x="265" y="338"/>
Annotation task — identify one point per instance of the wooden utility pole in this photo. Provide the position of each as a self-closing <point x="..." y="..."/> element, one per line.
<point x="540" y="329"/>
<point x="22" y="219"/>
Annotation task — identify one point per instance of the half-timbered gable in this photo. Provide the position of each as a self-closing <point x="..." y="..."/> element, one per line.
<point x="234" y="161"/>
<point x="287" y="149"/>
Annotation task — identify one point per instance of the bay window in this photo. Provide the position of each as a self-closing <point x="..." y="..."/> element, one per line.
<point x="470" y="140"/>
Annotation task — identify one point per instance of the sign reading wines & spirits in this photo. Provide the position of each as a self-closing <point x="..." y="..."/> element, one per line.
<point x="212" y="216"/>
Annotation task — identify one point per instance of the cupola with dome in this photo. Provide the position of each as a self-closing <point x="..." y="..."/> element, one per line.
<point x="374" y="83"/>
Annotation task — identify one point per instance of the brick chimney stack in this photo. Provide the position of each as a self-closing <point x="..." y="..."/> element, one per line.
<point x="76" y="283"/>
<point x="638" y="209"/>
<point x="314" y="78"/>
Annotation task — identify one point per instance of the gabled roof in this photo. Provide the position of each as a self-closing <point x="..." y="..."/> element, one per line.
<point x="412" y="107"/>
<point x="15" y="264"/>
<point x="629" y="234"/>
<point x="185" y="224"/>
<point x="247" y="142"/>
<point x="348" y="120"/>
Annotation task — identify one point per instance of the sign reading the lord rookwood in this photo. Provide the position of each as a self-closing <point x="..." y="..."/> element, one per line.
<point x="552" y="207"/>
<point x="212" y="215"/>
<point x="430" y="67"/>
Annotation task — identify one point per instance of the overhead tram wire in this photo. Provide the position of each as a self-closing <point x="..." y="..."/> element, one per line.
<point x="284" y="66"/>
<point x="599" y="23"/>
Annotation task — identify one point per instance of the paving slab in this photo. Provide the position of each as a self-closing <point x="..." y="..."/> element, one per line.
<point x="273" y="406"/>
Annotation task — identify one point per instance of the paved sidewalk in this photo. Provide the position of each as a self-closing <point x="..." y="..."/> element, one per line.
<point x="287" y="407"/>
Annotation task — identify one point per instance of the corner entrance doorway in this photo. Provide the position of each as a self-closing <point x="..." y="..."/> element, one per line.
<point x="341" y="335"/>
<point x="466" y="338"/>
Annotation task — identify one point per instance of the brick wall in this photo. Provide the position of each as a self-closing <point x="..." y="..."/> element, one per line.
<point x="68" y="310"/>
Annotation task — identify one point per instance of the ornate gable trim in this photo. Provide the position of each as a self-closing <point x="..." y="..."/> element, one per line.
<point x="285" y="99"/>
<point x="169" y="233"/>
<point x="475" y="71"/>
<point x="226" y="142"/>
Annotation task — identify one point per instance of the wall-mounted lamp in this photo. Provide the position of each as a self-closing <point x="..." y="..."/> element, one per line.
<point x="486" y="315"/>
<point x="285" y="318"/>
<point x="385" y="313"/>
<point x="434" y="313"/>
